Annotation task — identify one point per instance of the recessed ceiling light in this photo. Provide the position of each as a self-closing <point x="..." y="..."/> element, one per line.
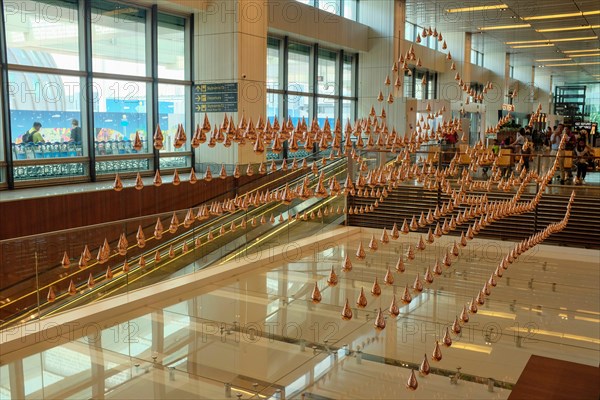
<point x="499" y="27"/>
<point x="580" y="51"/>
<point x="477" y="8"/>
<point x="585" y="55"/>
<point x="553" y="59"/>
<point x="571" y="28"/>
<point x="565" y="15"/>
<point x="526" y="46"/>
<point x="571" y="39"/>
<point x="560" y="65"/>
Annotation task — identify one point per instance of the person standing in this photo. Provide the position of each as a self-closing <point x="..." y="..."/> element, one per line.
<point x="555" y="150"/>
<point x="75" y="131"/>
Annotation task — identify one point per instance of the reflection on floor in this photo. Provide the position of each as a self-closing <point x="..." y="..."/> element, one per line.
<point x="259" y="332"/>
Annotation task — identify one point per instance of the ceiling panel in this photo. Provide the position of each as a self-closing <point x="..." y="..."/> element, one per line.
<point x="427" y="13"/>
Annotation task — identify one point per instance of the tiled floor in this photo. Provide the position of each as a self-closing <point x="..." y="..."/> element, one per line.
<point x="261" y="327"/>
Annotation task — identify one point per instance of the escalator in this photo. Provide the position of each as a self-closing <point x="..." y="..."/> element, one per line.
<point x="239" y="233"/>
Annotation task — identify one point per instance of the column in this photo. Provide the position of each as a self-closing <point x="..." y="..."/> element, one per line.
<point x="386" y="20"/>
<point x="231" y="47"/>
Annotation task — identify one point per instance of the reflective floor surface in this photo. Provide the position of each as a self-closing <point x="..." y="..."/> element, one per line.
<point x="259" y="335"/>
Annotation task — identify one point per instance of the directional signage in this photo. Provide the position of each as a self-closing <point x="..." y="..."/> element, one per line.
<point x="216" y="97"/>
<point x="215" y="107"/>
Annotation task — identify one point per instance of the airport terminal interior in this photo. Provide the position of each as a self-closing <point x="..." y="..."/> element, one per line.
<point x="299" y="199"/>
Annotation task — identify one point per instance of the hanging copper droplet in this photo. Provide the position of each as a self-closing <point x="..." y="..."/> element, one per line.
<point x="473" y="306"/>
<point x="142" y="262"/>
<point x="347" y="312"/>
<point x="361" y="302"/>
<point x="480" y="299"/>
<point x="417" y="284"/>
<point x="428" y="276"/>
<point x="456" y="328"/>
<point x="424" y="368"/>
<point x="72" y="288"/>
<point x="316" y="294"/>
<point x="332" y="280"/>
<point x="109" y="274"/>
<point x="157" y="181"/>
<point x="406" y="297"/>
<point x="139" y="183"/>
<point x="376" y="289"/>
<point x="379" y="322"/>
<point x="126" y="266"/>
<point x="400" y="268"/>
<point x="347" y="264"/>
<point x="464" y="315"/>
<point x="66" y="262"/>
<point x="389" y="277"/>
<point x="437" y="352"/>
<point x="384" y="237"/>
<point x="447" y="340"/>
<point x="360" y="253"/>
<point x="51" y="295"/>
<point x="91" y="282"/>
<point x="492" y="281"/>
<point x="393" y="309"/>
<point x="412" y="383"/>
<point x="117" y="185"/>
<point x="141" y="239"/>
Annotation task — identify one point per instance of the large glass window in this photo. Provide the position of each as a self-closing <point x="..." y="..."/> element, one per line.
<point x="273" y="63"/>
<point x="327" y="65"/>
<point x="49" y="87"/>
<point x="331" y="6"/>
<point x="119" y="114"/>
<point x="42" y="34"/>
<point x="171" y="47"/>
<point x="343" y="8"/>
<point x="328" y="93"/>
<point x="299" y="68"/>
<point x="119" y="39"/>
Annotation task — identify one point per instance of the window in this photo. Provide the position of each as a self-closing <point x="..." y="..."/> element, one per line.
<point x="476" y="58"/>
<point x="413" y="84"/>
<point x="39" y="34"/>
<point x="273" y="63"/>
<point x="343" y="8"/>
<point x="119" y="39"/>
<point x="477" y="47"/>
<point x="171" y="47"/>
<point x="48" y="83"/>
<point x="326" y="77"/>
<point x="120" y="113"/>
<point x="411" y="31"/>
<point x="299" y="68"/>
<point x="295" y="92"/>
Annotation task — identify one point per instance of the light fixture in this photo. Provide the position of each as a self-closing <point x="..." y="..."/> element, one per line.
<point x="553" y="59"/>
<point x="580" y="51"/>
<point x="477" y="8"/>
<point x="585" y="55"/>
<point x="571" y="28"/>
<point x="565" y="15"/>
<point x="499" y="27"/>
<point x="570" y="64"/>
<point x="532" y="45"/>
<point x="572" y="39"/>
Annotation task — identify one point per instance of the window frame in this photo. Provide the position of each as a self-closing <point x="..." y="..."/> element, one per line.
<point x="86" y="73"/>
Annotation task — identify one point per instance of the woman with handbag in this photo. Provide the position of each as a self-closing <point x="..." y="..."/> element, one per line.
<point x="582" y="154"/>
